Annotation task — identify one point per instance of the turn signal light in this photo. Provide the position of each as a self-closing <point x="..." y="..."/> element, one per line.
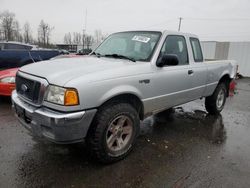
<point x="71" y="97"/>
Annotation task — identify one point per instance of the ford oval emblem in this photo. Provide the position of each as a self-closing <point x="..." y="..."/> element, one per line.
<point x="24" y="88"/>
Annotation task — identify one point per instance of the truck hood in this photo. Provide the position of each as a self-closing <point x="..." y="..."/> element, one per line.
<point x="61" y="71"/>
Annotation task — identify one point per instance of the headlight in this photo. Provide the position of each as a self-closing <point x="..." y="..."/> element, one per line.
<point x="10" y="80"/>
<point x="62" y="96"/>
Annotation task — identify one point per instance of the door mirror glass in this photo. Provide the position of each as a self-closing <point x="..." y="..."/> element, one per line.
<point x="168" y="60"/>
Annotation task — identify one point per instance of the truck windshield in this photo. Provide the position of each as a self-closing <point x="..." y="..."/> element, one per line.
<point x="135" y="45"/>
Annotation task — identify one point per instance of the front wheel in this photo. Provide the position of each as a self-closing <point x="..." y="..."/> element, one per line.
<point x="215" y="103"/>
<point x="113" y="132"/>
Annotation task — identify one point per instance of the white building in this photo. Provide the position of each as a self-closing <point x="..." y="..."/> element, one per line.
<point x="239" y="51"/>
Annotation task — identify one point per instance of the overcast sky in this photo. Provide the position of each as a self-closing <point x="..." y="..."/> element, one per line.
<point x="224" y="20"/>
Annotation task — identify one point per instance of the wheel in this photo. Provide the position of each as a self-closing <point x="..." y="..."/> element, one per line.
<point x="113" y="132"/>
<point x="215" y="103"/>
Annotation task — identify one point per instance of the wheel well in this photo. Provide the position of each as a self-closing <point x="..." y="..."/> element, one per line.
<point x="226" y="79"/>
<point x="131" y="99"/>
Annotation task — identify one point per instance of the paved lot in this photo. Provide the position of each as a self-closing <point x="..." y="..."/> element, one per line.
<point x="191" y="149"/>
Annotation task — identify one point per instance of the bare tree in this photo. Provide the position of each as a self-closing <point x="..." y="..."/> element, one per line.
<point x="98" y="36"/>
<point x="83" y="40"/>
<point x="8" y="24"/>
<point x="27" y="36"/>
<point x="67" y="38"/>
<point x="44" y="33"/>
<point x="77" y="38"/>
<point x="2" y="37"/>
<point x="17" y="36"/>
<point x="89" y="41"/>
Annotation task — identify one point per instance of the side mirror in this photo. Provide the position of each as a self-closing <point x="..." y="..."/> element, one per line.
<point x="167" y="60"/>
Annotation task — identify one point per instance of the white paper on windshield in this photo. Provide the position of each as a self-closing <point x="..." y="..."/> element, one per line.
<point x="141" y="39"/>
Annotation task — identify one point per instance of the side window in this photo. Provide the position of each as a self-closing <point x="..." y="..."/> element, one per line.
<point x="175" y="44"/>
<point x="196" y="48"/>
<point x="14" y="47"/>
<point x="26" y="47"/>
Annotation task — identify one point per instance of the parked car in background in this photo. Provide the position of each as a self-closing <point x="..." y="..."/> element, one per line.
<point x="64" y="52"/>
<point x="14" y="54"/>
<point x="7" y="81"/>
<point x="101" y="98"/>
<point x="84" y="51"/>
<point x="8" y="77"/>
<point x="11" y="45"/>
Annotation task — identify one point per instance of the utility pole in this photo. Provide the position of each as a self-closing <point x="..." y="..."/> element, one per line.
<point x="84" y="30"/>
<point x="180" y="19"/>
<point x="86" y="20"/>
<point x="83" y="35"/>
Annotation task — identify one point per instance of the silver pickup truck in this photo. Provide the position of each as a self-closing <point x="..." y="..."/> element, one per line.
<point x="101" y="98"/>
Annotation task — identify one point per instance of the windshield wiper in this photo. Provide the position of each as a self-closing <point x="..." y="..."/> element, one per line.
<point x="96" y="54"/>
<point x="120" y="56"/>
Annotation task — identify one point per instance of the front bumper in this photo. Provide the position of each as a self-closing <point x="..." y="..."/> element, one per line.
<point x="55" y="126"/>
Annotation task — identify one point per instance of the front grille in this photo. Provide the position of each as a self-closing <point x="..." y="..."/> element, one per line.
<point x="27" y="88"/>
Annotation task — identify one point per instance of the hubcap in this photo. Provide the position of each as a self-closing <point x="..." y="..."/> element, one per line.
<point x="220" y="99"/>
<point x="119" y="133"/>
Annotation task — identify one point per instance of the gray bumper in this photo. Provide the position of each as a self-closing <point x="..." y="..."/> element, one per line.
<point x="55" y="126"/>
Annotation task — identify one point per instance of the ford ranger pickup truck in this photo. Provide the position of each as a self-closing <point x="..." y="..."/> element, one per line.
<point x="101" y="98"/>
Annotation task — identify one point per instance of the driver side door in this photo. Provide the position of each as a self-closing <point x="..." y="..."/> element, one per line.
<point x="171" y="84"/>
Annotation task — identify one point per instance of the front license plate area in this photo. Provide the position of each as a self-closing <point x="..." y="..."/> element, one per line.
<point x="20" y="112"/>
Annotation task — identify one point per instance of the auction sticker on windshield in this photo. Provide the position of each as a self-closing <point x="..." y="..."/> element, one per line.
<point x="141" y="39"/>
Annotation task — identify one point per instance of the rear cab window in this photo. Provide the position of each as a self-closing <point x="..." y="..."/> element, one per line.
<point x="196" y="48"/>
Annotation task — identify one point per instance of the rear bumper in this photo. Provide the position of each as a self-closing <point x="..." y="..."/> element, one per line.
<point x="52" y="125"/>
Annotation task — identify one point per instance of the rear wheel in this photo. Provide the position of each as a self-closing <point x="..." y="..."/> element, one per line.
<point x="113" y="133"/>
<point x="215" y="103"/>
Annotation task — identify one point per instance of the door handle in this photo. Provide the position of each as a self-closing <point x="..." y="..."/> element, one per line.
<point x="190" y="72"/>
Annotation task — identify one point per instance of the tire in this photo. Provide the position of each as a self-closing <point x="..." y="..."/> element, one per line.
<point x="113" y="132"/>
<point x="214" y="104"/>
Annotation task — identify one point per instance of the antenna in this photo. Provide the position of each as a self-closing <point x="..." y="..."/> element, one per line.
<point x="179" y="28"/>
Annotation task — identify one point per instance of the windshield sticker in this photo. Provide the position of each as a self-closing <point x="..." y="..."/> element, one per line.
<point x="141" y="39"/>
